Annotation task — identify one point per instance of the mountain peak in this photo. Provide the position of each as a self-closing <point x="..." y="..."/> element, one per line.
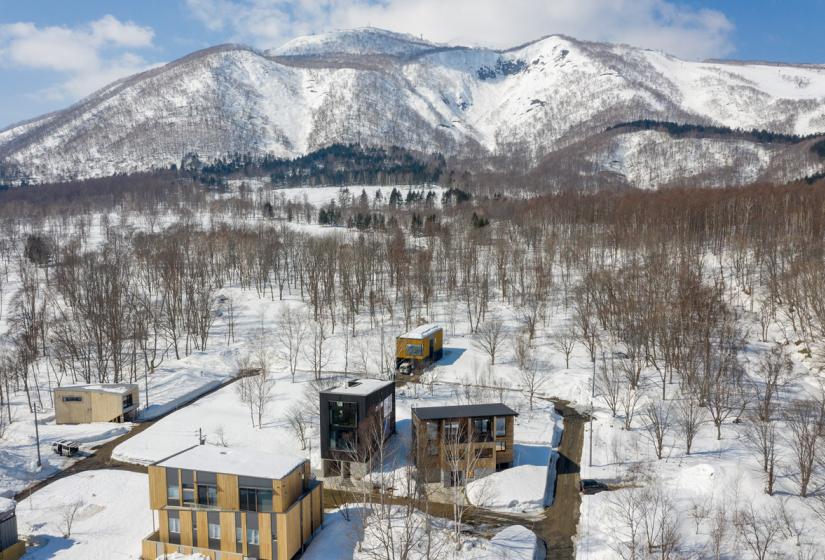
<point x="359" y="41"/>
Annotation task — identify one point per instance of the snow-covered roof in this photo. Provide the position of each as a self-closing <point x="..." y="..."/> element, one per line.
<point x="238" y="460"/>
<point x="359" y="387"/>
<point x="6" y="507"/>
<point x="422" y="331"/>
<point x="116" y="388"/>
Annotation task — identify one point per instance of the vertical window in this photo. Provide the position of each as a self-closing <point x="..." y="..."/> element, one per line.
<point x="501" y="426"/>
<point x="127" y="401"/>
<point x="207" y="495"/>
<point x="252" y="536"/>
<point x="214" y="531"/>
<point x="174" y="525"/>
<point x="173" y="492"/>
<point x="343" y="421"/>
<point x="239" y="534"/>
<point x="501" y="446"/>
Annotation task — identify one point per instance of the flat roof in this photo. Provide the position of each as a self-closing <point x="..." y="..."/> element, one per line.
<point x="6" y="507"/>
<point x="117" y="388"/>
<point x="463" y="411"/>
<point x="359" y="387"/>
<point x="235" y="460"/>
<point x="421" y="331"/>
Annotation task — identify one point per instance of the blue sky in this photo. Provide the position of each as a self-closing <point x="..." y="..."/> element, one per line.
<point x="54" y="52"/>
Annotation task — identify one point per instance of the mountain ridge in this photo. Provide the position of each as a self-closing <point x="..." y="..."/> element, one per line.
<point x="382" y="88"/>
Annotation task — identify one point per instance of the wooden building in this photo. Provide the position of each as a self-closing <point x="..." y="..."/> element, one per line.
<point x="454" y="444"/>
<point x="418" y="348"/>
<point x="11" y="547"/>
<point x="82" y="404"/>
<point x="233" y="504"/>
<point x="353" y="416"/>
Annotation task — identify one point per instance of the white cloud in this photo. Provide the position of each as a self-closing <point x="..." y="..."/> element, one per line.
<point x="85" y="57"/>
<point x="658" y="24"/>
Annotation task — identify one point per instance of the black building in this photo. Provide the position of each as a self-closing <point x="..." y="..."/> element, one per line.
<point x="353" y="416"/>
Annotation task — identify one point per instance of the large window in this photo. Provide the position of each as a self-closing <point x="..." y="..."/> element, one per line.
<point x="482" y="429"/>
<point x="453" y="431"/>
<point x="343" y="422"/>
<point x="173" y="492"/>
<point x="188" y="494"/>
<point x="501" y="426"/>
<point x="415" y="349"/>
<point x="127" y="401"/>
<point x="207" y="495"/>
<point x="215" y="531"/>
<point x="255" y="499"/>
<point x="174" y="525"/>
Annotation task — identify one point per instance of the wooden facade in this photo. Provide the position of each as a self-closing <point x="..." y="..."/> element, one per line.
<point x="15" y="551"/>
<point x="420" y="347"/>
<point x="219" y="520"/>
<point x="438" y="450"/>
<point x="83" y="404"/>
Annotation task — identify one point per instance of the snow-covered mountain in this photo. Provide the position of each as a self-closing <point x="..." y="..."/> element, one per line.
<point x="551" y="102"/>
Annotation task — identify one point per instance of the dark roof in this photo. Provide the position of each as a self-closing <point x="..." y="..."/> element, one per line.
<point x="463" y="411"/>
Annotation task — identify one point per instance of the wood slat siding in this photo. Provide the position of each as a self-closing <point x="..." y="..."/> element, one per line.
<point x="289" y="532"/>
<point x="287" y="490"/>
<point x="148" y="550"/>
<point x="101" y="406"/>
<point x="163" y="525"/>
<point x="203" y="529"/>
<point x="228" y="531"/>
<point x="306" y="515"/>
<point x="317" y="500"/>
<point x="186" y="528"/>
<point x="157" y="487"/>
<point x="265" y="535"/>
<point x="228" y="495"/>
<point x="244" y="544"/>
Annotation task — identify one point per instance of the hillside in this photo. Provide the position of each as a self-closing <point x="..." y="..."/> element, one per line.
<point x="552" y="100"/>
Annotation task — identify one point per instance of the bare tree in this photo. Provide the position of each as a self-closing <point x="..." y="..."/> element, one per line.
<point x="761" y="437"/>
<point x="658" y="424"/>
<point x="318" y="353"/>
<point x="290" y="331"/>
<point x="626" y="508"/>
<point x="690" y="418"/>
<point x="522" y="351"/>
<point x="531" y="381"/>
<point x="298" y="423"/>
<point x="719" y="530"/>
<point x="629" y="399"/>
<point x="256" y="392"/>
<point x="759" y="531"/>
<point x="804" y="421"/>
<point x="68" y="512"/>
<point x="565" y="341"/>
<point x="609" y="383"/>
<point x="660" y="520"/>
<point x="490" y="335"/>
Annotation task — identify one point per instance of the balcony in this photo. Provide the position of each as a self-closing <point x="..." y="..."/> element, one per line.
<point x="152" y="547"/>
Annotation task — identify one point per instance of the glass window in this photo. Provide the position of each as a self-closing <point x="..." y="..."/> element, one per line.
<point x="188" y="494"/>
<point x="481" y="429"/>
<point x="432" y="430"/>
<point x="127" y="401"/>
<point x="252" y="536"/>
<point x="207" y="495"/>
<point x="453" y="431"/>
<point x="214" y="531"/>
<point x="343" y="414"/>
<point x="255" y="499"/>
<point x="501" y="427"/>
<point x="173" y="491"/>
<point x="174" y="525"/>
<point x="239" y="534"/>
<point x="415" y="349"/>
<point x="342" y="439"/>
<point x="72" y="399"/>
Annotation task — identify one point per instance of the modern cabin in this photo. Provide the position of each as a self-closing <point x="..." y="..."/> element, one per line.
<point x="418" y="348"/>
<point x="353" y="417"/>
<point x="233" y="504"/>
<point x="11" y="547"/>
<point x="454" y="444"/>
<point x="82" y="404"/>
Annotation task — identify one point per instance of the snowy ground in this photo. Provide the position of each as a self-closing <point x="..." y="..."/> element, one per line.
<point x="110" y="523"/>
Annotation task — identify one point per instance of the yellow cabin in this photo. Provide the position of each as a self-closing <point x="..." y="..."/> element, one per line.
<point x="419" y="348"/>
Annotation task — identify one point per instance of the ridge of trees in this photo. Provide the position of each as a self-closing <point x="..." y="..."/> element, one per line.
<point x="683" y="130"/>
